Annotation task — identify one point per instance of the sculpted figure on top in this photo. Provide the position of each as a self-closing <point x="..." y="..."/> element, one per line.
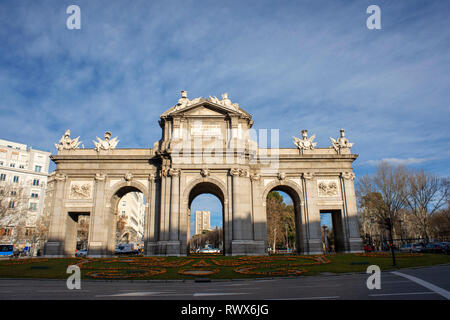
<point x="107" y="144"/>
<point x="341" y="143"/>
<point x="185" y="102"/>
<point x="305" y="142"/>
<point x="65" y="143"/>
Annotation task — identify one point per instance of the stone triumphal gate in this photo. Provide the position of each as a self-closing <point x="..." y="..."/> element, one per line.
<point x="207" y="146"/>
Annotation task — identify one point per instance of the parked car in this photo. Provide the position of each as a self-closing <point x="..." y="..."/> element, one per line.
<point x="433" y="248"/>
<point x="417" y="247"/>
<point x="445" y="247"/>
<point x="406" y="247"/>
<point x="81" y="253"/>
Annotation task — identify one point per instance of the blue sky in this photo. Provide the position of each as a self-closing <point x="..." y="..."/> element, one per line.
<point x="293" y="65"/>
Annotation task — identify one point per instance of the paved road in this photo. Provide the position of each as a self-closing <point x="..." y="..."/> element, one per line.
<point x="423" y="283"/>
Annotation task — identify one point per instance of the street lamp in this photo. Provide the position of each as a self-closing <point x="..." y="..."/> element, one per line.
<point x="287" y="239"/>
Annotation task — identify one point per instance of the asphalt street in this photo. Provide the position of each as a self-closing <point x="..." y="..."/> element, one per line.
<point x="419" y="283"/>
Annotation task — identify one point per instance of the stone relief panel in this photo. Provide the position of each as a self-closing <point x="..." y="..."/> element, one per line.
<point x="80" y="190"/>
<point x="328" y="188"/>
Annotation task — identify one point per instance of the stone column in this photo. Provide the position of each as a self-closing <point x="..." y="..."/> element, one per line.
<point x="259" y="231"/>
<point x="354" y="242"/>
<point x="149" y="236"/>
<point x="56" y="235"/>
<point x="99" y="220"/>
<point x="312" y="214"/>
<point x="237" y="230"/>
<point x="175" y="204"/>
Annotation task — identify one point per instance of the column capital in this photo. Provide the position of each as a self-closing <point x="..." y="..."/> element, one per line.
<point x="60" y="177"/>
<point x="308" y="175"/>
<point x="348" y="175"/>
<point x="174" y="172"/>
<point x="100" y="176"/>
<point x="235" y="172"/>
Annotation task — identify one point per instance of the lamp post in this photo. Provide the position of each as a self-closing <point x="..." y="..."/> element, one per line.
<point x="287" y="239"/>
<point x="388" y="224"/>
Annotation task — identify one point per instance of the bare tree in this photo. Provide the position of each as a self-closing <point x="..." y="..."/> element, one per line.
<point x="427" y="194"/>
<point x="383" y="195"/>
<point x="440" y="223"/>
<point x="13" y="210"/>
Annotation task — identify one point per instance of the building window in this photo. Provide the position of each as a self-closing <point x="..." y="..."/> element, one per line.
<point x="5" y="232"/>
<point x="12" y="165"/>
<point x="29" y="232"/>
<point x="11" y="205"/>
<point x="1" y="162"/>
<point x="2" y="177"/>
<point x="35" y="195"/>
<point x="37" y="168"/>
<point x="21" y="166"/>
<point x="13" y="193"/>
<point x="15" y="179"/>
<point x="33" y="206"/>
<point x="124" y="203"/>
<point x="35" y="182"/>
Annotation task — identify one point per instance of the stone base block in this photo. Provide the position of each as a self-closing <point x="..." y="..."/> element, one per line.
<point x="315" y="247"/>
<point x="53" y="248"/>
<point x="166" y="248"/>
<point x="247" y="248"/>
<point x="356" y="245"/>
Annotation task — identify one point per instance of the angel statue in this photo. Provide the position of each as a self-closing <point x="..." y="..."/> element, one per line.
<point x="65" y="143"/>
<point x="107" y="144"/>
<point x="305" y="142"/>
<point x="341" y="142"/>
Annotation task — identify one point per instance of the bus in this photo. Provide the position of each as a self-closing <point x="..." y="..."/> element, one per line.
<point x="6" y="249"/>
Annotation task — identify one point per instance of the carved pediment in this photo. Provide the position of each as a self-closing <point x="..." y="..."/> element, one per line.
<point x="204" y="109"/>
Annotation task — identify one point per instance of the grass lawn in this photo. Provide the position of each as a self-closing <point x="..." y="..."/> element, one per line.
<point x="210" y="266"/>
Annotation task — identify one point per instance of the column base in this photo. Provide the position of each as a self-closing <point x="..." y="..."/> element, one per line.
<point x="165" y="248"/>
<point x="53" y="249"/>
<point x="247" y="248"/>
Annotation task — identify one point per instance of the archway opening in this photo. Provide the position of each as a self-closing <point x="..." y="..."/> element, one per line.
<point x="129" y="204"/>
<point x="206" y="220"/>
<point x="283" y="221"/>
<point x="331" y="230"/>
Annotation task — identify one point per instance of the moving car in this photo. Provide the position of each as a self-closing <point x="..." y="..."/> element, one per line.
<point x="81" y="253"/>
<point x="6" y="250"/>
<point x="127" y="248"/>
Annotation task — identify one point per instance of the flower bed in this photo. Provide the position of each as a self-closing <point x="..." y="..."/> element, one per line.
<point x="197" y="272"/>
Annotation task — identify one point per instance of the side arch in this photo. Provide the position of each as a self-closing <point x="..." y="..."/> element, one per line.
<point x="293" y="190"/>
<point x="118" y="190"/>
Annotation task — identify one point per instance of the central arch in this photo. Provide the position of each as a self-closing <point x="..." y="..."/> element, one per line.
<point x="206" y="186"/>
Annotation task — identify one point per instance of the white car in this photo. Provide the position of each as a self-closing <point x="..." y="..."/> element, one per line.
<point x="209" y="250"/>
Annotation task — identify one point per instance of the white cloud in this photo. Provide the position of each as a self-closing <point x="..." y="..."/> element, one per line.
<point x="398" y="161"/>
